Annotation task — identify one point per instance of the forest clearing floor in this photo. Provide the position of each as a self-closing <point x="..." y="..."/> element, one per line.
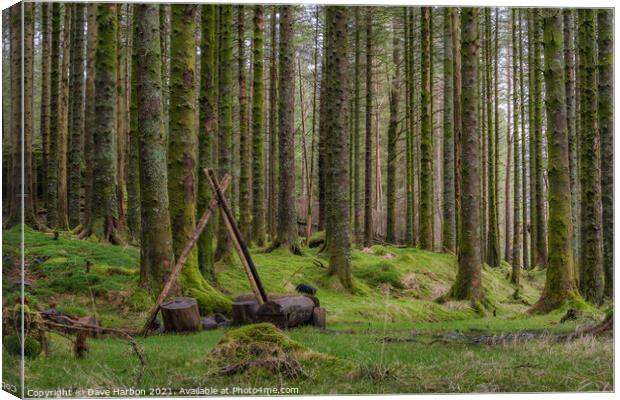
<point x="390" y="336"/>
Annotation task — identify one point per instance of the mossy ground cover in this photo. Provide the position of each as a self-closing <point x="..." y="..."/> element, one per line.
<point x="380" y="339"/>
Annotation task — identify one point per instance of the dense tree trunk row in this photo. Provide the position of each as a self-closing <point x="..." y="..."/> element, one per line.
<point x="130" y="116"/>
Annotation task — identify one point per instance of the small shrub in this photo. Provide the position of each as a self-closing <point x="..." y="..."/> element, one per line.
<point x="32" y="348"/>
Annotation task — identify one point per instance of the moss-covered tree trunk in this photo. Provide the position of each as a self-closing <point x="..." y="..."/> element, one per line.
<point x="63" y="122"/>
<point x="531" y="108"/>
<point x="315" y="86"/>
<point x="287" y="215"/>
<point x="571" y="119"/>
<point x="182" y="142"/>
<point x="121" y="111"/>
<point x="511" y="139"/>
<point x="245" y="149"/>
<point x="89" y="118"/>
<point x="357" y="129"/>
<point x="183" y="155"/>
<point x="457" y="84"/>
<point x="46" y="64"/>
<point x="606" y="125"/>
<point x="468" y="283"/>
<point x="52" y="168"/>
<point x="207" y="133"/>
<point x="368" y="150"/>
<point x="29" y="177"/>
<point x="133" y="162"/>
<point x="495" y="205"/>
<point x="591" y="280"/>
<point x="524" y="182"/>
<point x="105" y="202"/>
<point x="258" y="128"/>
<point x="482" y="107"/>
<point x="492" y="248"/>
<point x="225" y="117"/>
<point x="560" y="282"/>
<point x="14" y="208"/>
<point x="426" y="136"/>
<point x="323" y="187"/>
<point x="517" y="140"/>
<point x="14" y="199"/>
<point x="338" y="146"/>
<point x="541" y="220"/>
<point x="449" y="205"/>
<point x="77" y="114"/>
<point x="409" y="119"/>
<point x="393" y="135"/>
<point x="273" y="129"/>
<point x="156" y="258"/>
<point x="164" y="33"/>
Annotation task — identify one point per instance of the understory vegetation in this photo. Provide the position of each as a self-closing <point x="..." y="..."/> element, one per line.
<point x="390" y="336"/>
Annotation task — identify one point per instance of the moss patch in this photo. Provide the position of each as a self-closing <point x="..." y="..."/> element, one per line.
<point x="379" y="250"/>
<point x="383" y="272"/>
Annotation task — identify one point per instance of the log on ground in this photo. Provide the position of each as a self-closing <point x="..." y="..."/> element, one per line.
<point x="283" y="310"/>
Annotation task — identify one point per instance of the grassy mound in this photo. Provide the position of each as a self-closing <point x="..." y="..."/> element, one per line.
<point x="259" y="346"/>
<point x="383" y="272"/>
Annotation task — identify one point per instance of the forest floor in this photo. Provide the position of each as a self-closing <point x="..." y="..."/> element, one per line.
<point x="390" y="336"/>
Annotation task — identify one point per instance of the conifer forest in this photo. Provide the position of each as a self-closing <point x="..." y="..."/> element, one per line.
<point x="289" y="199"/>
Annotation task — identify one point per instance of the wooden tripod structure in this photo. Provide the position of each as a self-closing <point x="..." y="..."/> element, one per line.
<point x="283" y="310"/>
<point x="234" y="233"/>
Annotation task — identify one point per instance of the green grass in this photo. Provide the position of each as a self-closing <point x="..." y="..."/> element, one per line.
<point x="395" y="295"/>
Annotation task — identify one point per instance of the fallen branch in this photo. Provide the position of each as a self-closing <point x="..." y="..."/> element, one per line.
<point x="79" y="328"/>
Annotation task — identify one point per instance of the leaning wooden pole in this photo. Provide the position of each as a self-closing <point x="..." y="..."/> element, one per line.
<point x="237" y="239"/>
<point x="202" y="223"/>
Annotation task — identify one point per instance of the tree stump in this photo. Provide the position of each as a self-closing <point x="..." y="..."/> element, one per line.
<point x="181" y="315"/>
<point x="319" y="317"/>
<point x="244" y="311"/>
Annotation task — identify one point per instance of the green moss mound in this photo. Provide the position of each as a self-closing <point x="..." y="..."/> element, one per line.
<point x="383" y="272"/>
<point x="12" y="343"/>
<point x="260" y="347"/>
<point x="379" y="250"/>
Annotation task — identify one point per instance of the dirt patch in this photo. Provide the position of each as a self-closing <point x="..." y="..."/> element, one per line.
<point x="410" y="281"/>
<point x="457" y="305"/>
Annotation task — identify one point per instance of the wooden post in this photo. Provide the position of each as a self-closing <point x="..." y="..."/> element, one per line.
<point x="202" y="223"/>
<point x="239" y="244"/>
